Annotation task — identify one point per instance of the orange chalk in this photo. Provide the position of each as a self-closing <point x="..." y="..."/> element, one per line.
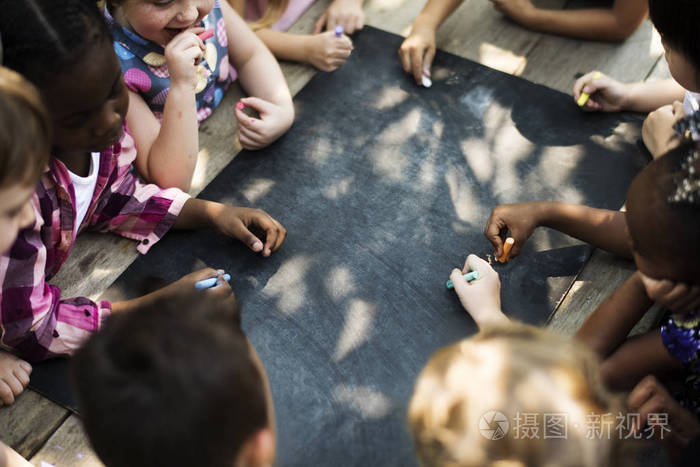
<point x="510" y="241"/>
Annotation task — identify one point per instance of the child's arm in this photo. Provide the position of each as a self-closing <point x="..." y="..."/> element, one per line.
<point x="603" y="24"/>
<point x="345" y="13"/>
<point x="481" y="298"/>
<point x="418" y="50"/>
<point x="324" y="51"/>
<point x="609" y="95"/>
<point x="10" y="458"/>
<point x="167" y="151"/>
<point x="262" y="78"/>
<point x="602" y="228"/>
<point x="609" y="324"/>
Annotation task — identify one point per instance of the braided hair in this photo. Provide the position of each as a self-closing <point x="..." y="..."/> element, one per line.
<point x="44" y="37"/>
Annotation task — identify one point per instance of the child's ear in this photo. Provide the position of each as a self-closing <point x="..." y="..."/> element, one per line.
<point x="258" y="450"/>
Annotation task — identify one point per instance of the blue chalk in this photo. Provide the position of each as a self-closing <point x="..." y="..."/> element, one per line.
<point x="470" y="276"/>
<point x="209" y="283"/>
<point x="339" y="31"/>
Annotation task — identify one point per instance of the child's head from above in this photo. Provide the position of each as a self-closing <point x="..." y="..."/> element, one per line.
<point x="160" y="21"/>
<point x="65" y="49"/>
<point x="173" y="386"/>
<point x="513" y="371"/>
<point x="25" y="135"/>
<point x="663" y="217"/>
<point x="677" y="22"/>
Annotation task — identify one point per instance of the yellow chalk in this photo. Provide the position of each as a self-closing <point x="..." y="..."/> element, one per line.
<point x="583" y="98"/>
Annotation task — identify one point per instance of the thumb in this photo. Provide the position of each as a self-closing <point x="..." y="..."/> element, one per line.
<point x="246" y="236"/>
<point x="319" y="24"/>
<point x="261" y="105"/>
<point x="493" y="234"/>
<point x="474" y="263"/>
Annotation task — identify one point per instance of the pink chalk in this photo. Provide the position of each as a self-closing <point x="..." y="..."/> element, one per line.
<point x="206" y="34"/>
<point x="240" y="105"/>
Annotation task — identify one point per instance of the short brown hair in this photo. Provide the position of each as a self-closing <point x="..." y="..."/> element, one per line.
<point x="25" y="130"/>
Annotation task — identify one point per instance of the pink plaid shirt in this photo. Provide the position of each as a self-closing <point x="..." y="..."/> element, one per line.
<point x="34" y="319"/>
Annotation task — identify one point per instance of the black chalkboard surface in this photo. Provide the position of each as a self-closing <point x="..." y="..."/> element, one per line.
<point x="384" y="187"/>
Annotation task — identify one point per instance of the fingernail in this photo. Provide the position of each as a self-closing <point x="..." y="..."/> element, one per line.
<point x="220" y="271"/>
<point x="257" y="246"/>
<point x="26" y="366"/>
<point x="240" y="105"/>
<point x="252" y="120"/>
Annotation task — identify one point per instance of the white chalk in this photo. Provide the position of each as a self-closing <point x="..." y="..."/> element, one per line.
<point x="426" y="82"/>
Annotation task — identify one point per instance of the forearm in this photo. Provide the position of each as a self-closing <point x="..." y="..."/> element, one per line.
<point x="285" y="46"/>
<point x="609" y="324"/>
<point x="10" y="458"/>
<point x="173" y="155"/>
<point x="262" y="77"/>
<point x="648" y="96"/>
<point x="435" y="12"/>
<point x="596" y="24"/>
<point x="198" y="214"/>
<point x="601" y="228"/>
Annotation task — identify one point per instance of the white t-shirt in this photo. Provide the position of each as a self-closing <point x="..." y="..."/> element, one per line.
<point x="84" y="188"/>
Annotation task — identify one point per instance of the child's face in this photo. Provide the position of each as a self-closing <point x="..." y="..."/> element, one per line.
<point x="681" y="68"/>
<point x="16" y="212"/>
<point x="161" y="20"/>
<point x="88" y="104"/>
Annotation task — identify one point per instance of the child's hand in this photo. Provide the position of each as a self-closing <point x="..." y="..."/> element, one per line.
<point x="675" y="296"/>
<point x="651" y="397"/>
<point x="182" y="54"/>
<point x="520" y="219"/>
<point x="607" y="94"/>
<point x="481" y="298"/>
<point x="327" y="52"/>
<point x="257" y="133"/>
<point x="657" y="132"/>
<point x="417" y="52"/>
<point x="14" y="377"/>
<point x="241" y="223"/>
<point x="518" y="10"/>
<point x="346" y="13"/>
<point x="183" y="292"/>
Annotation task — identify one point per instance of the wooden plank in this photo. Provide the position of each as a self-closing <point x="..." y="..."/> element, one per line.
<point x="26" y="424"/>
<point x="68" y="446"/>
<point x="475" y="31"/>
<point x="556" y="60"/>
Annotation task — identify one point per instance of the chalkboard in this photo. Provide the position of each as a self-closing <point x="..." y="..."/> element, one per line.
<point x="384" y="187"/>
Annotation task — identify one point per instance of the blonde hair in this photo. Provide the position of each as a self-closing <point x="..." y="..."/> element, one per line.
<point x="514" y="370"/>
<point x="275" y="10"/>
<point x="25" y="130"/>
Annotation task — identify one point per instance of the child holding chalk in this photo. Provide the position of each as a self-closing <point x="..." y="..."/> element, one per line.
<point x="676" y="22"/>
<point x="64" y="48"/>
<point x="660" y="231"/>
<point x="24" y="152"/>
<point x="175" y="60"/>
<point x="611" y="24"/>
<point x="270" y="20"/>
<point x="179" y="386"/>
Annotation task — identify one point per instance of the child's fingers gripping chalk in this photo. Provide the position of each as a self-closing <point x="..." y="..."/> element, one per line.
<point x="584" y="96"/>
<point x="470" y="276"/>
<point x="210" y="282"/>
<point x="507" y="247"/>
<point x="478" y="296"/>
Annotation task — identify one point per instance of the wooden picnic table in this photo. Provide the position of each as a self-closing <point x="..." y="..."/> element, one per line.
<point x="41" y="430"/>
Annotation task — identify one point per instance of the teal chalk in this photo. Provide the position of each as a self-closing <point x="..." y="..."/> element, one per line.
<point x="470" y="276"/>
